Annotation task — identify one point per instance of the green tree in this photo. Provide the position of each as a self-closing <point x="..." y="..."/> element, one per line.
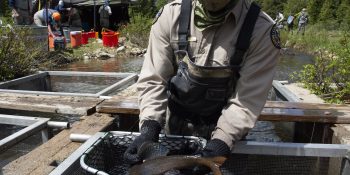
<point x="328" y="11"/>
<point x="4" y="9"/>
<point x="314" y="9"/>
<point x="161" y="3"/>
<point x="19" y="52"/>
<point x="147" y="8"/>
<point x="343" y="14"/>
<point x="294" y="6"/>
<point x="271" y="7"/>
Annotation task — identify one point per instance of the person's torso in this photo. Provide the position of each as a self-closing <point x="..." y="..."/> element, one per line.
<point x="104" y="12"/>
<point x="216" y="45"/>
<point x="303" y="18"/>
<point x="205" y="90"/>
<point x="45" y="15"/>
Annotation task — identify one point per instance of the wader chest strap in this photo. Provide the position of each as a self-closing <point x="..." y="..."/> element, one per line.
<point x="245" y="34"/>
<point x="184" y="24"/>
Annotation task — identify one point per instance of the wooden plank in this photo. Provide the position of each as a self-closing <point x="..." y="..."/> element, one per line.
<point x="300" y="115"/>
<point x="120" y="105"/>
<point x="49" y="103"/>
<point x="41" y="160"/>
<point x="300" y="105"/>
<point x="273" y="111"/>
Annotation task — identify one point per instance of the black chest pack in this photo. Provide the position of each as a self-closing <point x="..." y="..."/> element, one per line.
<point x="202" y="98"/>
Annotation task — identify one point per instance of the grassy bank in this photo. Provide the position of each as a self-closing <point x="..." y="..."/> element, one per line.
<point x="329" y="75"/>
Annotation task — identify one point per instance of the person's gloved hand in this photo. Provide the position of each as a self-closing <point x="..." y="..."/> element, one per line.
<point x="214" y="148"/>
<point x="150" y="130"/>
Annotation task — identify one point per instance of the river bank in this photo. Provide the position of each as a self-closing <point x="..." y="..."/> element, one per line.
<point x="328" y="75"/>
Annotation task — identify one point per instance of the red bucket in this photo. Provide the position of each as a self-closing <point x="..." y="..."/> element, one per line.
<point x="84" y="38"/>
<point x="109" y="38"/>
<point x="92" y="34"/>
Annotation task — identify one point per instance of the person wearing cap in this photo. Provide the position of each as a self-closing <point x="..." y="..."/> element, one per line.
<point x="302" y="21"/>
<point x="105" y="11"/>
<point x="206" y="73"/>
<point x="21" y="11"/>
<point x="52" y="21"/>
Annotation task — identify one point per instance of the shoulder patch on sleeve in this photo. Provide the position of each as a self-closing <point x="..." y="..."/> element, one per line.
<point x="275" y="37"/>
<point x="158" y="15"/>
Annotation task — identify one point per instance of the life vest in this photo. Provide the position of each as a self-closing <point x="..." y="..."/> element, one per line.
<point x="199" y="93"/>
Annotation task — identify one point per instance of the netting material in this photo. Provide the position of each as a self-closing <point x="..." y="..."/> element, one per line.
<point x="107" y="156"/>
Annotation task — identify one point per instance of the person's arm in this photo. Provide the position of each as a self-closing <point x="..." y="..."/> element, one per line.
<point x="252" y="88"/>
<point x="50" y="31"/>
<point x="156" y="70"/>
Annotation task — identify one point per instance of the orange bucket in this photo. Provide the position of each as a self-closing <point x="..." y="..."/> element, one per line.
<point x="51" y="42"/>
<point x="75" y="38"/>
<point x="109" y="38"/>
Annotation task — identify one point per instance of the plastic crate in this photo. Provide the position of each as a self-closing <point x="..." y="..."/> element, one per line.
<point x="105" y="156"/>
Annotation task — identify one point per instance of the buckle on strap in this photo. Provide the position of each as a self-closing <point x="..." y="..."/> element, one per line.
<point x="183" y="43"/>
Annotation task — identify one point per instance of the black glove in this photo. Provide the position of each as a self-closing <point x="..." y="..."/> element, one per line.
<point x="150" y="130"/>
<point x="214" y="148"/>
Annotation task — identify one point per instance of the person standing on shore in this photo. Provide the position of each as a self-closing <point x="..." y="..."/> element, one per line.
<point x="290" y="22"/>
<point x="302" y="21"/>
<point x="21" y="11"/>
<point x="105" y="11"/>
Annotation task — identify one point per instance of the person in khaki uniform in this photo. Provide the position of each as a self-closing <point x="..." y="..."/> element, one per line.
<point x="225" y="112"/>
<point x="21" y="11"/>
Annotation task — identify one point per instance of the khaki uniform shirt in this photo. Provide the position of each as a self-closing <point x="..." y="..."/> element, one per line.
<point x="212" y="47"/>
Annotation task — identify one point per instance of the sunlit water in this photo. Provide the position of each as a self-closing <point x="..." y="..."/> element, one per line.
<point x="81" y="84"/>
<point x="264" y="131"/>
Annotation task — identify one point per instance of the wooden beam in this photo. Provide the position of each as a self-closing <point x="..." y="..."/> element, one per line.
<point x="305" y="115"/>
<point x="120" y="105"/>
<point x="42" y="160"/>
<point x="273" y="111"/>
<point x="49" y="103"/>
<point x="301" y="105"/>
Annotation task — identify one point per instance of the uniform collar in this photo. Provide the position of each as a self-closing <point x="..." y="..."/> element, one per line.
<point x="236" y="11"/>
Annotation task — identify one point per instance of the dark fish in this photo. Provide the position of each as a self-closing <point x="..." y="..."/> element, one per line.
<point x="149" y="150"/>
<point x="161" y="165"/>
